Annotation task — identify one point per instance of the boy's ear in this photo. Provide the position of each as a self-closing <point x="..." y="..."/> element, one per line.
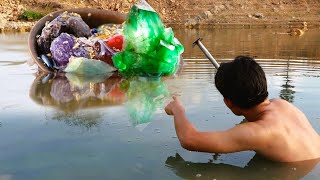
<point x="228" y="103"/>
<point x="235" y="109"/>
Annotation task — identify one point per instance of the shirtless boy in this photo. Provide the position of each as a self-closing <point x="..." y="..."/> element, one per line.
<point x="275" y="129"/>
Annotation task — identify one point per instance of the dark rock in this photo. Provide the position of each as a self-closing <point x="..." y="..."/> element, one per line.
<point x="258" y="15"/>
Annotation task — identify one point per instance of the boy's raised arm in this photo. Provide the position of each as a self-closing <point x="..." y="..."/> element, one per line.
<point x="248" y="136"/>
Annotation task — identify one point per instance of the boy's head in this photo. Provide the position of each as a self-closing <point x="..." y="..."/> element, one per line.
<point x="242" y="81"/>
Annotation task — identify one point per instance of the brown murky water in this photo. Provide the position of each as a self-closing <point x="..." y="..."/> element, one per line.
<point x="68" y="127"/>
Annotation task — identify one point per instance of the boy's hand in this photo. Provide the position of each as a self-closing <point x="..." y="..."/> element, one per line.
<point x="174" y="106"/>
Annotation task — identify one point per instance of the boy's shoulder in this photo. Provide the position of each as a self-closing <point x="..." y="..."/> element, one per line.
<point x="278" y="100"/>
<point x="280" y="103"/>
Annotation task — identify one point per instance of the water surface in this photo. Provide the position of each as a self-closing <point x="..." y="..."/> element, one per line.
<point x="68" y="127"/>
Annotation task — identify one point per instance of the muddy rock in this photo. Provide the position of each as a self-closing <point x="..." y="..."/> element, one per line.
<point x="217" y="8"/>
<point x="192" y="23"/>
<point x="258" y="15"/>
<point x="208" y="14"/>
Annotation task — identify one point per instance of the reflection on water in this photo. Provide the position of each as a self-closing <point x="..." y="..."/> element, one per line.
<point x="70" y="93"/>
<point x="86" y="120"/>
<point x="75" y="127"/>
<point x="287" y="93"/>
<point x="145" y="96"/>
<point x="257" y="168"/>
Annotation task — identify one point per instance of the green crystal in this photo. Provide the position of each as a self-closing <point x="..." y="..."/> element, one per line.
<point x="87" y="67"/>
<point x="150" y="48"/>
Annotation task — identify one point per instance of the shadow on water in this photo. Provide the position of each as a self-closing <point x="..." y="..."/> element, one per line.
<point x="71" y="93"/>
<point x="257" y="168"/>
<point x="86" y="120"/>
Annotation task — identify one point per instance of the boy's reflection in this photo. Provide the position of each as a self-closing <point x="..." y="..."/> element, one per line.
<point x="257" y="168"/>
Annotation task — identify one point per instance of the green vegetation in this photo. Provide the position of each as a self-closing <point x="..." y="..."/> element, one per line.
<point x="30" y="15"/>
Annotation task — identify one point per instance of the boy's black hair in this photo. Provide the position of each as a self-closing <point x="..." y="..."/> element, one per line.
<point x="242" y="81"/>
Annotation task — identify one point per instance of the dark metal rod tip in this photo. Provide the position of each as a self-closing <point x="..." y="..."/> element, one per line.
<point x="206" y="52"/>
<point x="196" y="42"/>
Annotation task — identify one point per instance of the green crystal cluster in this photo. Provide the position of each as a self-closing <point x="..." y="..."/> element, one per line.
<point x="150" y="48"/>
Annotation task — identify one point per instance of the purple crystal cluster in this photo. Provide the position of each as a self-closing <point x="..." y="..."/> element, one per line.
<point x="65" y="46"/>
<point x="70" y="23"/>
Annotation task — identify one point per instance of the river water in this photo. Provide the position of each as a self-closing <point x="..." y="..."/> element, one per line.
<point x="54" y="127"/>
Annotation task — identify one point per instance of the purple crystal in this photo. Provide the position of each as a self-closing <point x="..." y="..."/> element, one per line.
<point x="65" y="46"/>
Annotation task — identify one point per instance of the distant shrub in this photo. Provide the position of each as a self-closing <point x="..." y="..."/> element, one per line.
<point x="30" y="15"/>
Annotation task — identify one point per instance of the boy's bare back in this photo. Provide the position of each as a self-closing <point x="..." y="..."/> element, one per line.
<point x="288" y="134"/>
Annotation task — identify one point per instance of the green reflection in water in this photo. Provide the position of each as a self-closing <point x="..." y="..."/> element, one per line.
<point x="145" y="96"/>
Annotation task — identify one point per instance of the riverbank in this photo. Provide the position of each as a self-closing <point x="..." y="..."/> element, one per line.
<point x="188" y="13"/>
